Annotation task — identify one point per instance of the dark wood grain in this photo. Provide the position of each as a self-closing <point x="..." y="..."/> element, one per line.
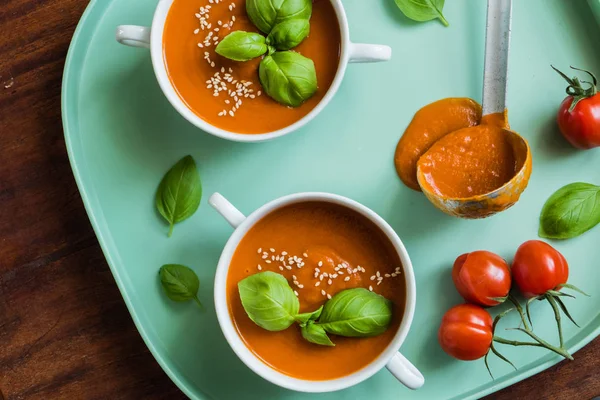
<point x="64" y="330"/>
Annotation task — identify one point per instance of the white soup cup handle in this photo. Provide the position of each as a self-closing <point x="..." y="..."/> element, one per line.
<point x="133" y="35"/>
<point x="367" y="53"/>
<point x="405" y="372"/>
<point x="226" y="209"/>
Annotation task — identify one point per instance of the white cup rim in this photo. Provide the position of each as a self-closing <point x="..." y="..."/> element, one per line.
<point x="250" y="359"/>
<point x="160" y="70"/>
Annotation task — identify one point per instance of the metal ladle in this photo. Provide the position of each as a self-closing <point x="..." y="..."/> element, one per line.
<point x="499" y="17"/>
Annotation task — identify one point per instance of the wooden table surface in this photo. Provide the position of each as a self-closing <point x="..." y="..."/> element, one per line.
<point x="64" y="330"/>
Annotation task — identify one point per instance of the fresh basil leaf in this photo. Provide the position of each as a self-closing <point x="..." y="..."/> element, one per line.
<point x="304" y="318"/>
<point x="356" y="313"/>
<point x="269" y="300"/>
<point x="242" y="46"/>
<point x="179" y="282"/>
<point x="265" y="14"/>
<point x="288" y="34"/>
<point x="315" y="333"/>
<point x="423" y="10"/>
<point x="288" y="77"/>
<point x="179" y="193"/>
<point x="570" y="211"/>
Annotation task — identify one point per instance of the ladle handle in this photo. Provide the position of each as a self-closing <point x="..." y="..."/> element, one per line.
<point x="497" y="43"/>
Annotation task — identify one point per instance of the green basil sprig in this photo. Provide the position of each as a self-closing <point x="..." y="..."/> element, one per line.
<point x="315" y="333"/>
<point x="289" y="34"/>
<point x="180" y="283"/>
<point x="423" y="10"/>
<point x="269" y="300"/>
<point x="356" y="313"/>
<point x="242" y="46"/>
<point x="265" y="14"/>
<point x="271" y="303"/>
<point x="288" y="77"/>
<point x="179" y="193"/>
<point x="570" y="211"/>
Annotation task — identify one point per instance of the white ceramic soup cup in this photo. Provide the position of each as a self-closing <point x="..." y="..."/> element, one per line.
<point x="140" y="36"/>
<point x="395" y="362"/>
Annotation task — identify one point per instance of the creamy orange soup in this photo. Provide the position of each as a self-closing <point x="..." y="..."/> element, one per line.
<point x="191" y="34"/>
<point x="344" y="250"/>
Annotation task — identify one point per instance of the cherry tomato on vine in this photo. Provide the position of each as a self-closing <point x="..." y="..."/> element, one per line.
<point x="466" y="332"/>
<point x="481" y="277"/>
<point x="579" y="114"/>
<point x="539" y="267"/>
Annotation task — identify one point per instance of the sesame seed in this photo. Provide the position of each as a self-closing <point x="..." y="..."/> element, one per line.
<point x="321" y="277"/>
<point x="296" y="283"/>
<point x="196" y="31"/>
<point x="294" y="277"/>
<point x="371" y="288"/>
<point x="231" y="113"/>
<point x="317" y="283"/>
<point x="305" y="255"/>
<point x="268" y="261"/>
<point x="272" y="250"/>
<point x="316" y="274"/>
<point x="379" y="282"/>
<point x="233" y="18"/>
<point x="280" y="268"/>
<point x="378" y="274"/>
<point x="284" y="253"/>
<point x="346" y="279"/>
<point x="334" y="276"/>
<point x="288" y="267"/>
<point x="259" y="250"/>
<point x="329" y="282"/>
<point x="325" y="274"/>
<point x="296" y="293"/>
<point x="373" y="277"/>
<point x="259" y="267"/>
<point x="387" y="275"/>
<point x="328" y="296"/>
<point x="301" y="286"/>
<point x="320" y="264"/>
<point x="323" y="292"/>
<point x="219" y="23"/>
<point x="394" y="275"/>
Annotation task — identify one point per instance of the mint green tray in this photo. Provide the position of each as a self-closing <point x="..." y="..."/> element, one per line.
<point x="122" y="135"/>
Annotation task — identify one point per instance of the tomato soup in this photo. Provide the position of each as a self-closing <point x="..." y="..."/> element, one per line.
<point x="471" y="161"/>
<point x="226" y="93"/>
<point x="430" y="124"/>
<point x="322" y="249"/>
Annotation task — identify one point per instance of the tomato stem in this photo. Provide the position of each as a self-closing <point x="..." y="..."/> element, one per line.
<point x="552" y="302"/>
<point x="575" y="89"/>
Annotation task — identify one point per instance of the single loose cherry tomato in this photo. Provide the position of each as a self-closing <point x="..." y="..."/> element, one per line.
<point x="539" y="267"/>
<point x="480" y="277"/>
<point x="466" y="332"/>
<point x="579" y="114"/>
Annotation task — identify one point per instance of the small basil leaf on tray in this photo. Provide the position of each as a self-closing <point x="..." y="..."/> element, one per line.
<point x="179" y="193"/>
<point x="304" y="318"/>
<point x="356" y="313"/>
<point x="269" y="300"/>
<point x="315" y="333"/>
<point x="242" y="46"/>
<point x="288" y="34"/>
<point x="422" y="10"/>
<point x="570" y="211"/>
<point x="288" y="77"/>
<point x="179" y="283"/>
<point x="265" y="14"/>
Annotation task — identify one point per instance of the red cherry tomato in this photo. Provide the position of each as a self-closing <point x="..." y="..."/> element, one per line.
<point x="466" y="332"/>
<point x="539" y="267"/>
<point x="481" y="276"/>
<point x="581" y="124"/>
